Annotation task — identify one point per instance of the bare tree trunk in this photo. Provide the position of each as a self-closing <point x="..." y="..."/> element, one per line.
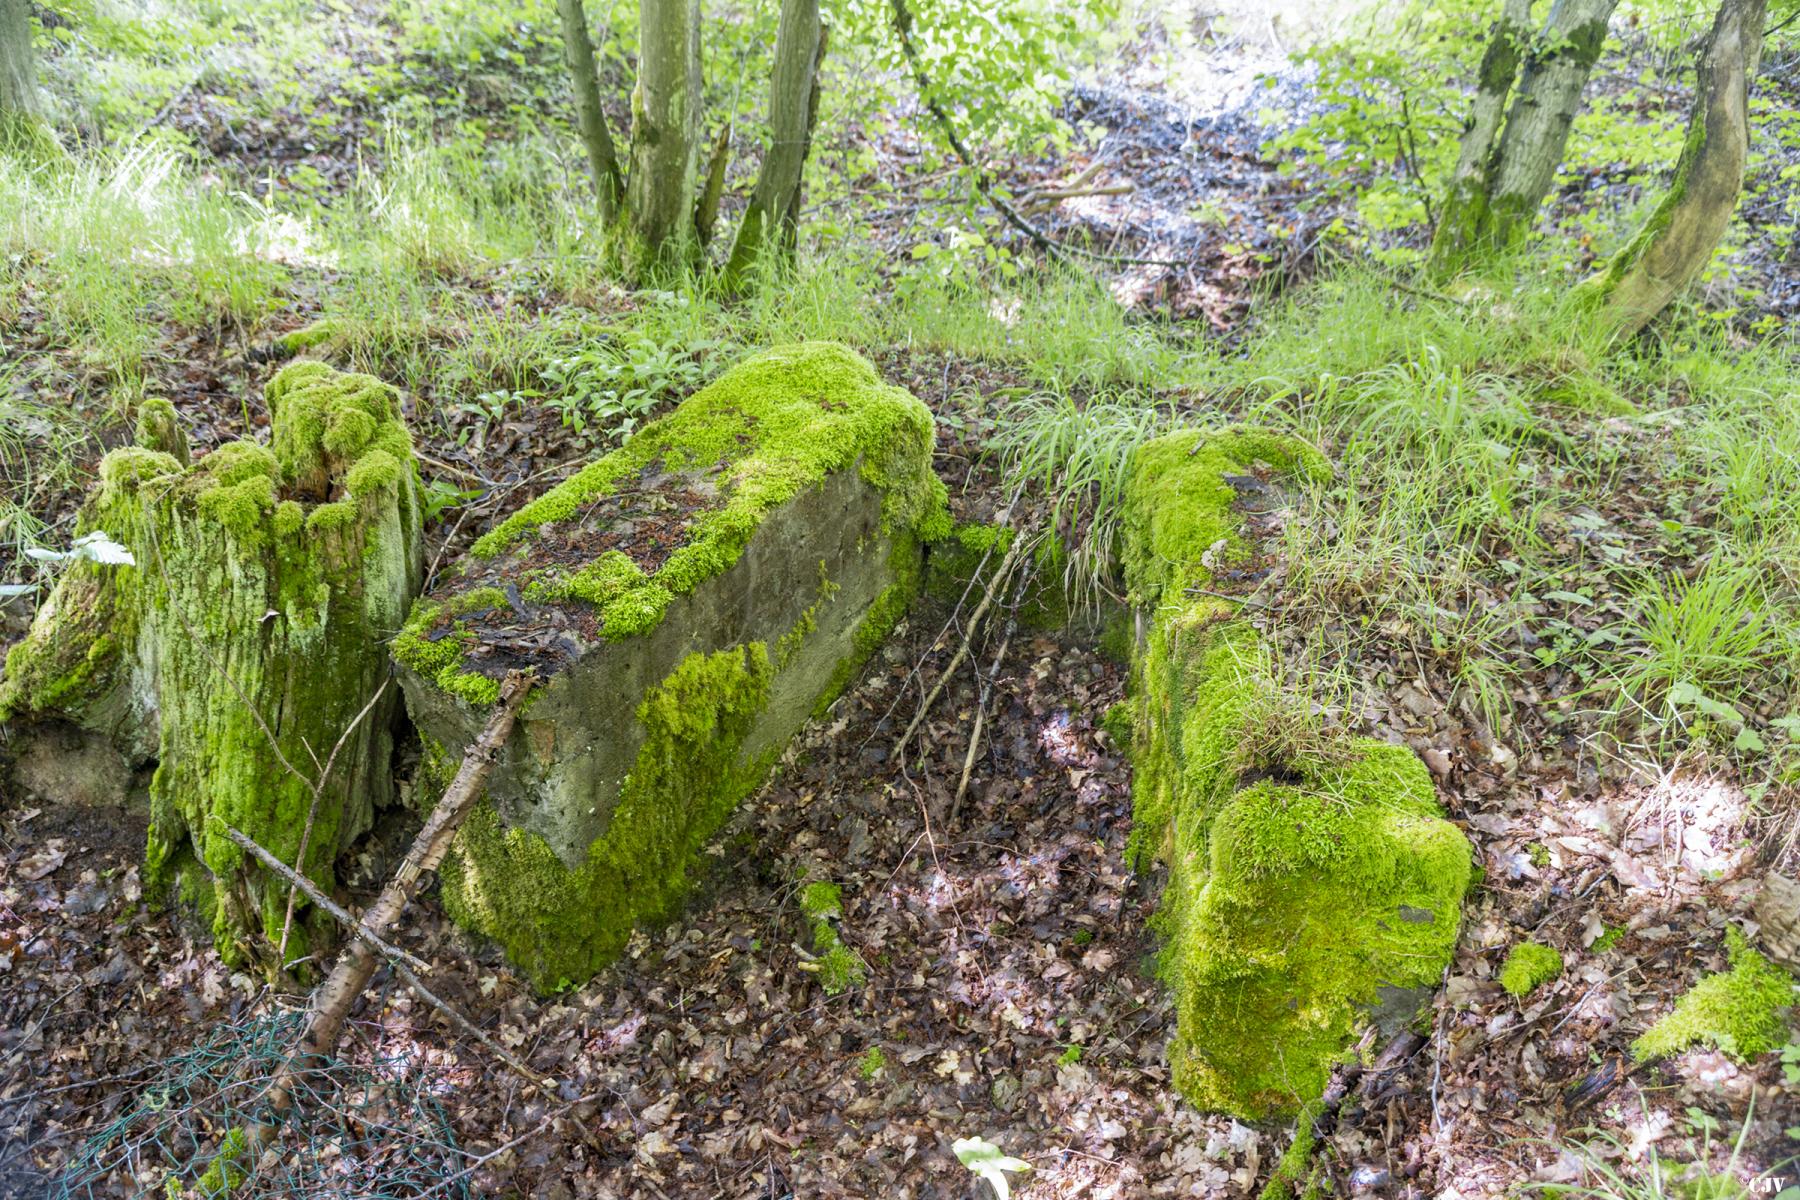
<point x="1537" y="125"/>
<point x="18" y="64"/>
<point x="665" y="126"/>
<point x="1678" y="240"/>
<point x="1506" y="168"/>
<point x="603" y="159"/>
<point x="1465" y="208"/>
<point x="773" y="218"/>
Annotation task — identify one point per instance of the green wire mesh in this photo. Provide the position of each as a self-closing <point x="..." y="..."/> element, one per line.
<point x="355" y="1131"/>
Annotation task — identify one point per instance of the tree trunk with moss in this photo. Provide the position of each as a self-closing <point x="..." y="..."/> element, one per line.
<point x="1678" y="240"/>
<point x="245" y="650"/>
<point x="1464" y="210"/>
<point x="660" y="187"/>
<point x="771" y="223"/>
<point x="20" y="107"/>
<point x="1521" y="164"/>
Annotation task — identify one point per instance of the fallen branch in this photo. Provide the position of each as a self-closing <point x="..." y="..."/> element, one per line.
<point x="995" y="583"/>
<point x="981" y="703"/>
<point x="333" y="999"/>
<point x="312" y="892"/>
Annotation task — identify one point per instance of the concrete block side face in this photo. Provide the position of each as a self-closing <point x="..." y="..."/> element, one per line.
<point x="1313" y="887"/>
<point x="635" y="749"/>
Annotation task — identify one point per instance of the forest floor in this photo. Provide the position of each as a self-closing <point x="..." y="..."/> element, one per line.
<point x="1011" y="991"/>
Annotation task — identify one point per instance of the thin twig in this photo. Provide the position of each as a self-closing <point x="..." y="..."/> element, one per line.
<point x="312" y="814"/>
<point x="317" y="896"/>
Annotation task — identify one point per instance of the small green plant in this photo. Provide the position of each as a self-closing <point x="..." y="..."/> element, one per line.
<point x="838" y="967"/>
<point x="985" y="1160"/>
<point x="872" y="1063"/>
<point x="1070" y="1056"/>
<point x="612" y="386"/>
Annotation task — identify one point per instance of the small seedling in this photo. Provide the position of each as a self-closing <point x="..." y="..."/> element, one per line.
<point x="983" y="1158"/>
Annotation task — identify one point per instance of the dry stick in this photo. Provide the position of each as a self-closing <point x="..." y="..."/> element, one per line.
<point x="981" y="703"/>
<point x="995" y="582"/>
<point x="301" y="883"/>
<point x="312" y="815"/>
<point x="332" y="1000"/>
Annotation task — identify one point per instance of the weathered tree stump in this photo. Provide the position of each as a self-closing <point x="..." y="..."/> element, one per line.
<point x="686" y="601"/>
<point x="244" y="651"/>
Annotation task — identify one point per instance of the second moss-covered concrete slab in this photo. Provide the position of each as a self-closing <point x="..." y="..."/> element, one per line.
<point x="688" y="601"/>
<point x="1314" y="885"/>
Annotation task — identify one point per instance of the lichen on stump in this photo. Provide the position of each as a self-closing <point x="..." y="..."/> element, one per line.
<point x="687" y="601"/>
<point x="245" y="640"/>
<point x="1313" y="884"/>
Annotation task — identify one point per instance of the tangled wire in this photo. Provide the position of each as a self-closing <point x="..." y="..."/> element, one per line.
<point x="368" y="1130"/>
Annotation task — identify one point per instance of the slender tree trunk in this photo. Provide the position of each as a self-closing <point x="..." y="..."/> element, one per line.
<point x="603" y="159"/>
<point x="665" y="126"/>
<point x="1506" y="167"/>
<point x="1537" y="125"/>
<point x="773" y="218"/>
<point x="1463" y="216"/>
<point x="18" y="64"/>
<point x="1678" y="240"/>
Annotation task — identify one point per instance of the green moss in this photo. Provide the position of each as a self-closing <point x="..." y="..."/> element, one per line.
<point x="1528" y="966"/>
<point x="439" y="657"/>
<point x="561" y="925"/>
<point x="223" y="1174"/>
<point x="1294" y="900"/>
<point x="1742" y="1012"/>
<point x="838" y="967"/>
<point x="1293" y="1175"/>
<point x="1178" y="505"/>
<point x="822" y="901"/>
<point x="222" y="578"/>
<point x="775" y="424"/>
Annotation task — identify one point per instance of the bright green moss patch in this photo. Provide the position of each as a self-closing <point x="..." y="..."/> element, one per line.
<point x="560" y="926"/>
<point x="778" y="422"/>
<point x="1528" y="966"/>
<point x="1742" y="1012"/>
<point x="1178" y="503"/>
<point x="838" y="967"/>
<point x="1309" y="877"/>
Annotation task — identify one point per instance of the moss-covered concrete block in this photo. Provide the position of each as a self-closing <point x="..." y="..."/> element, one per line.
<point x="1313" y="882"/>
<point x="688" y="600"/>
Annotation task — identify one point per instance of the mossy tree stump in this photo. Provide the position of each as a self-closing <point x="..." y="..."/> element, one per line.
<point x="245" y="642"/>
<point x="687" y="601"/>
<point x="1313" y="884"/>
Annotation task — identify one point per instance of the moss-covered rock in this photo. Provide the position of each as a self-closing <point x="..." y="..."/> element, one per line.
<point x="687" y="600"/>
<point x="1309" y="884"/>
<point x="245" y="639"/>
